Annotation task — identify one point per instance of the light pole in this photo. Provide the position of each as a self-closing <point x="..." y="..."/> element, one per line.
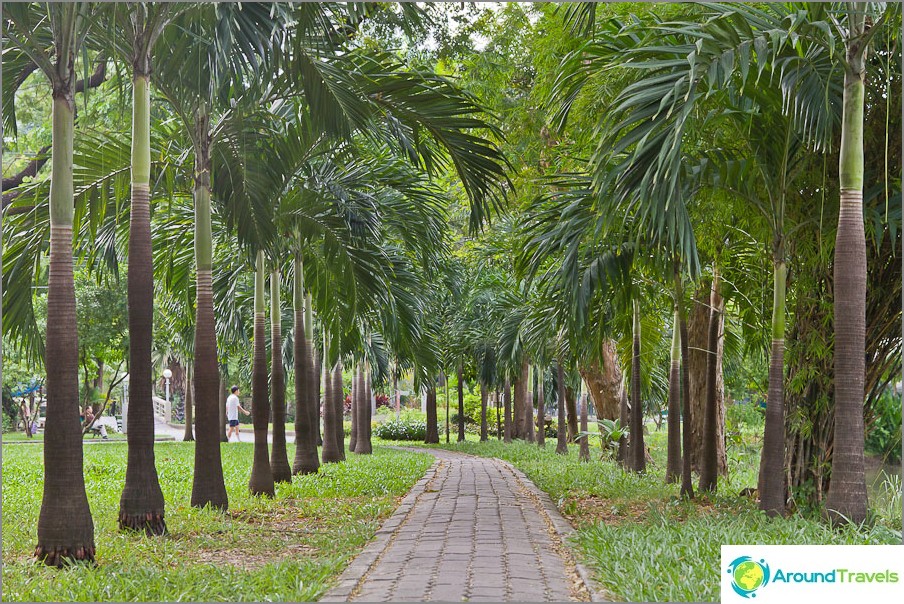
<point x="167" y="374"/>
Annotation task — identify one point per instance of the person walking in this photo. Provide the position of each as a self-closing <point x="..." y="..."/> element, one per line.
<point x="233" y="406"/>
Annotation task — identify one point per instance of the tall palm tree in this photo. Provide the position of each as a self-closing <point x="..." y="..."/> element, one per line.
<point x="52" y="37"/>
<point x="637" y="459"/>
<point x="709" y="471"/>
<point x="141" y="506"/>
<point x="330" y="451"/>
<point x="847" y="498"/>
<point x="261" y="481"/>
<point x="673" y="461"/>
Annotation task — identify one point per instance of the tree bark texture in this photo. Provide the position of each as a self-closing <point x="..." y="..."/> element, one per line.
<point x="507" y="411"/>
<point x="673" y="462"/>
<point x="571" y="413"/>
<point x="541" y="410"/>
<point x="604" y="383"/>
<point x="461" y="404"/>
<point x="709" y="463"/>
<point x="353" y="437"/>
<point x="698" y="347"/>
<point x="306" y="460"/>
<point x="189" y="434"/>
<point x="637" y="451"/>
<point x="584" y="443"/>
<point x="432" y="432"/>
<point x="484" y="394"/>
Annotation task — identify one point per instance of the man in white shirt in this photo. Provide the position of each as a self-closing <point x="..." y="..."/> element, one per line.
<point x="233" y="406"/>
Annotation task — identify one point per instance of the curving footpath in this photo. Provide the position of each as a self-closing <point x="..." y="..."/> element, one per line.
<point x="472" y="529"/>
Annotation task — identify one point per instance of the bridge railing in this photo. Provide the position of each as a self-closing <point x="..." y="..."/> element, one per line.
<point x="163" y="409"/>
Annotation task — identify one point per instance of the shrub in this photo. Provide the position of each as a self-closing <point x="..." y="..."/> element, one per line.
<point x="402" y="430"/>
<point x="884" y="434"/>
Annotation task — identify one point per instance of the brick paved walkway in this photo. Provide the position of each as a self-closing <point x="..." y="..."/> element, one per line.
<point x="472" y="529"/>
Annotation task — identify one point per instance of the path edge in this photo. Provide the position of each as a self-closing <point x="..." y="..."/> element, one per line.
<point x="357" y="570"/>
<point x="563" y="529"/>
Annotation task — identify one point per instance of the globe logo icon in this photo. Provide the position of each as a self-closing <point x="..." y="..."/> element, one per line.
<point x="748" y="575"/>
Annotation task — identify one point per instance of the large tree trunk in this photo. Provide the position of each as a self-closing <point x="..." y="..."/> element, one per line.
<point x="141" y="506"/>
<point x="507" y="411"/>
<point x="261" y="481"/>
<point x="279" y="457"/>
<point x="338" y="403"/>
<point x="530" y="397"/>
<point x="624" y="418"/>
<point x="847" y="500"/>
<point x="208" y="487"/>
<point x="637" y="452"/>
<point x="189" y="434"/>
<point x="605" y="383"/>
<point x="306" y="460"/>
<point x="541" y="410"/>
<point x="519" y="395"/>
<point x="483" y="411"/>
<point x="709" y="463"/>
<point x="687" y="485"/>
<point x="65" y="526"/>
<point x="673" y="462"/>
<point x="432" y="433"/>
<point x="771" y="484"/>
<point x="561" y="432"/>
<point x="461" y="404"/>
<point x="314" y="367"/>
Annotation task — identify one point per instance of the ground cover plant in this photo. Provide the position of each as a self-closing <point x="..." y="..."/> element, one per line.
<point x="286" y="548"/>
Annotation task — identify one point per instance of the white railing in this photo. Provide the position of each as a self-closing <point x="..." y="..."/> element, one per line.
<point x="163" y="409"/>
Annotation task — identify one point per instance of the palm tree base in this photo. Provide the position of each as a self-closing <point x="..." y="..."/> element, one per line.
<point x="59" y="556"/>
<point x="151" y="523"/>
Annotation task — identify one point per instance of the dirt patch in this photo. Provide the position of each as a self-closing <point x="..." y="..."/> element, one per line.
<point x="594" y="509"/>
<point x="244" y="560"/>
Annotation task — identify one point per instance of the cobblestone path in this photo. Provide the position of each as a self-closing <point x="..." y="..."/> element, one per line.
<point x="472" y="529"/>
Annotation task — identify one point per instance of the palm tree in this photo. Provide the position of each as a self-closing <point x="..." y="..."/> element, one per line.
<point x="637" y="460"/>
<point x="330" y="451"/>
<point x="52" y="39"/>
<point x="709" y="468"/>
<point x="141" y="506"/>
<point x="261" y="482"/>
<point x="279" y="459"/>
<point x="847" y="498"/>
<point x="432" y="435"/>
<point x="673" y="462"/>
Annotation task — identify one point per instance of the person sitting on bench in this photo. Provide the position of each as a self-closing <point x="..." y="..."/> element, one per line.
<point x="89" y="419"/>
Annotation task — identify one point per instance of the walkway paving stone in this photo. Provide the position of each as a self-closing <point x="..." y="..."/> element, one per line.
<point x="472" y="529"/>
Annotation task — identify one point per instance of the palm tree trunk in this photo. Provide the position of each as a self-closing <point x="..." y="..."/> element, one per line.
<point x="279" y="458"/>
<point x="432" y="435"/>
<point x="484" y="394"/>
<point x="687" y="485"/>
<point x="541" y="409"/>
<point x="338" y="403"/>
<point x="353" y="438"/>
<point x="189" y="435"/>
<point x="314" y="364"/>
<point x="673" y="463"/>
<point x="530" y="392"/>
<point x="709" y="463"/>
<point x="584" y="447"/>
<point x="141" y="506"/>
<point x="368" y="407"/>
<point x="446" y="382"/>
<point x="461" y="404"/>
<point x="846" y="500"/>
<point x="518" y="396"/>
<point x="771" y="480"/>
<point x="261" y="481"/>
<point x="208" y="487"/>
<point x="306" y="460"/>
<point x="637" y="452"/>
<point x="65" y="526"/>
<point x="507" y="411"/>
<point x="561" y="433"/>
<point x="364" y="446"/>
<point x="330" y="454"/>
<point x="498" y="401"/>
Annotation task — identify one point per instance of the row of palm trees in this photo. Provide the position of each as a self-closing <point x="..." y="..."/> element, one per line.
<point x="274" y="103"/>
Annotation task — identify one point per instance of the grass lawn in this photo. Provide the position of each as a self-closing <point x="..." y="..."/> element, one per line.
<point x="643" y="542"/>
<point x="288" y="548"/>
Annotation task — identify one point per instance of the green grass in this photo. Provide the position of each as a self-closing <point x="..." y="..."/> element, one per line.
<point x="642" y="541"/>
<point x="289" y="548"/>
<point x="16" y="437"/>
